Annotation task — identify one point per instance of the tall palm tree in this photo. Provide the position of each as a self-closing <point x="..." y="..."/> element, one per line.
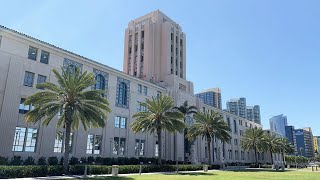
<point x="270" y="144"/>
<point x="253" y="140"/>
<point x="209" y="125"/>
<point x="186" y="110"/>
<point x="285" y="147"/>
<point x="75" y="104"/>
<point x="159" y="116"/>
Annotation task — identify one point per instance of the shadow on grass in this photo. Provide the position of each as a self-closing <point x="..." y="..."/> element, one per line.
<point x="193" y="174"/>
<point x="114" y="178"/>
<point x="254" y="170"/>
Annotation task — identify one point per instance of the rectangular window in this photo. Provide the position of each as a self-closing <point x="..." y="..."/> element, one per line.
<point x="123" y="122"/>
<point x="145" y="90"/>
<point x="122" y="146"/>
<point x="119" y="146"/>
<point x="28" y="79"/>
<point x="117" y="122"/>
<point x="23" y="109"/>
<point x="156" y="149"/>
<point x="115" y="145"/>
<point x="140" y="88"/>
<point x="31" y="140"/>
<point x="142" y="146"/>
<point x="19" y="137"/>
<point x="90" y="144"/>
<point x="44" y="57"/>
<point x="41" y="79"/>
<point x="136" y="147"/>
<point x="235" y="141"/>
<point x="158" y="94"/>
<point x="58" y="142"/>
<point x="25" y="140"/>
<point x="32" y="54"/>
<point x="97" y="144"/>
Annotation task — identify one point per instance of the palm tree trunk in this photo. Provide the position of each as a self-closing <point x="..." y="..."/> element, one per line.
<point x="271" y="157"/>
<point x="255" y="155"/>
<point x="159" y="146"/>
<point x="66" y="148"/>
<point x="209" y="149"/>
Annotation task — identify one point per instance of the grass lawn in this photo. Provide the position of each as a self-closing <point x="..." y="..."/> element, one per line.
<point x="226" y="175"/>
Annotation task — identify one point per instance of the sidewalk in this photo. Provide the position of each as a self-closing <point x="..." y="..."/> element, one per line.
<point x="106" y="175"/>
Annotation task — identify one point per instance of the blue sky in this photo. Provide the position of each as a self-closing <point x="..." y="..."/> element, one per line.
<point x="267" y="51"/>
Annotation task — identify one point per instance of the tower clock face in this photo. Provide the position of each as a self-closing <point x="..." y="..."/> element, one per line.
<point x="189" y="121"/>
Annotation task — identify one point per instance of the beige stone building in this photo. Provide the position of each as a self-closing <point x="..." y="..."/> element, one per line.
<point x="160" y="67"/>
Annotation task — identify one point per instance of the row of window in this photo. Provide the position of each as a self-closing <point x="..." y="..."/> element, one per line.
<point x="29" y="79"/>
<point x="33" y="54"/>
<point x="25" y="140"/>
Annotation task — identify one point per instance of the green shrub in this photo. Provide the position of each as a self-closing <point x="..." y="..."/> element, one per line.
<point x="56" y="170"/>
<point x="42" y="161"/>
<point x="73" y="161"/>
<point x="91" y="160"/>
<point x="53" y="161"/>
<point x="3" y="161"/>
<point x="77" y="169"/>
<point x="99" y="160"/>
<point x="99" y="169"/>
<point x="22" y="171"/>
<point x="16" y="161"/>
<point x="107" y="161"/>
<point x="83" y="160"/>
<point x="29" y="161"/>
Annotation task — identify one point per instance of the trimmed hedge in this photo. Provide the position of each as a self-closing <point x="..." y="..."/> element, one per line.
<point x="56" y="170"/>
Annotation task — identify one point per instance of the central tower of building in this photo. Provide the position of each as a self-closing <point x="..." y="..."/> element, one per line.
<point x="155" y="47"/>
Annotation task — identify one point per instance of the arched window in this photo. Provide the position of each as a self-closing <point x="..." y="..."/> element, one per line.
<point x="122" y="98"/>
<point x="72" y="69"/>
<point x="100" y="82"/>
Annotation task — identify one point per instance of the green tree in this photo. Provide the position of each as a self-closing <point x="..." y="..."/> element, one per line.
<point x="271" y="144"/>
<point x="285" y="147"/>
<point x="71" y="99"/>
<point x="159" y="116"/>
<point x="252" y="140"/>
<point x="187" y="111"/>
<point x="209" y="125"/>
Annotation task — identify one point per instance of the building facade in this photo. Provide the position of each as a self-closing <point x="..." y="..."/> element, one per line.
<point x="278" y="124"/>
<point x="304" y="142"/>
<point x="211" y="97"/>
<point x="26" y="61"/>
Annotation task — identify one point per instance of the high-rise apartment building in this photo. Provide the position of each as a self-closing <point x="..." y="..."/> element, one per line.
<point x="253" y="113"/>
<point x="290" y="135"/>
<point x="316" y="144"/>
<point x="155" y="46"/>
<point x="237" y="107"/>
<point x="211" y="97"/>
<point x="278" y="124"/>
<point x="304" y="142"/>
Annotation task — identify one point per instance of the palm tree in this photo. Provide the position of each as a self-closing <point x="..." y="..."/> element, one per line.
<point x="252" y="140"/>
<point x="285" y="147"/>
<point x="270" y="144"/>
<point x="159" y="116"/>
<point x="186" y="110"/>
<point x="75" y="104"/>
<point x="209" y="125"/>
